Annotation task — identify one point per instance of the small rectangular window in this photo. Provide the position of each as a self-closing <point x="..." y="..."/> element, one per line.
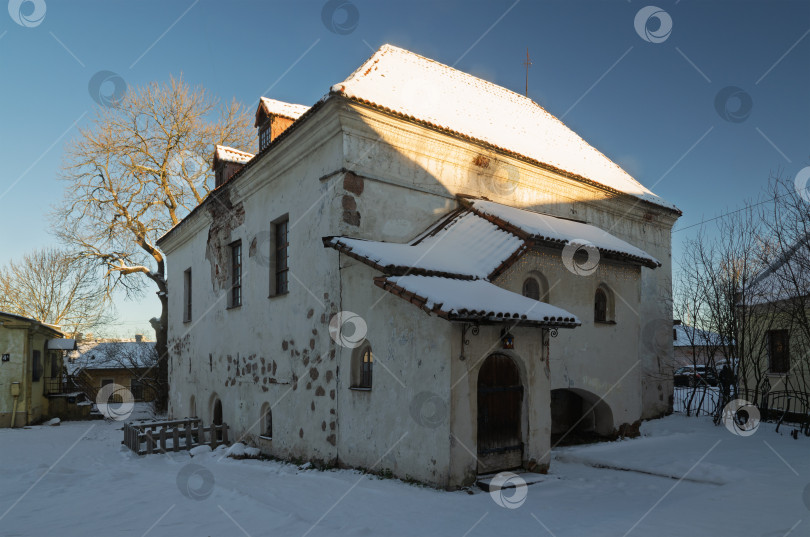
<point x="280" y="284"/>
<point x="187" y="296"/>
<point x="778" y="351"/>
<point x="236" y="274"/>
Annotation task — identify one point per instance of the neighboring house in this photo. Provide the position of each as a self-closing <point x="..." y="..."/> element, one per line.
<point x="694" y="346"/>
<point x="777" y="329"/>
<point x="125" y="363"/>
<point x="445" y="212"/>
<point x="30" y="370"/>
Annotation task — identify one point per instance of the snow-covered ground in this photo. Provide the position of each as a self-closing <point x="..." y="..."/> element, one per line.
<point x="77" y="479"/>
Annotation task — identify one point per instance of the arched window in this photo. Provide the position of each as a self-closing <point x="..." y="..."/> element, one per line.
<point x="600" y="307"/>
<point x="362" y="367"/>
<point x="267" y="421"/>
<point x="603" y="305"/>
<point x="535" y="286"/>
<point x="531" y="288"/>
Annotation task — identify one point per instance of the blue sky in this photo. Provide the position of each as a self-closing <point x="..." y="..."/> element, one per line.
<point x="650" y="106"/>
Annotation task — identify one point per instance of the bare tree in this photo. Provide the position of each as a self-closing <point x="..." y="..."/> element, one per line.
<point x="55" y="287"/>
<point x="788" y="279"/>
<point x="133" y="174"/>
<point x="717" y="293"/>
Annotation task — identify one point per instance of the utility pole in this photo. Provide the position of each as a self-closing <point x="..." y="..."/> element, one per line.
<point x="527" y="63"/>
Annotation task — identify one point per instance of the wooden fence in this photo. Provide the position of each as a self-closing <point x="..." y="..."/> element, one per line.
<point x="177" y="435"/>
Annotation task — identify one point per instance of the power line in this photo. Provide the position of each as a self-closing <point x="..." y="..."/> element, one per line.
<point x="731" y="212"/>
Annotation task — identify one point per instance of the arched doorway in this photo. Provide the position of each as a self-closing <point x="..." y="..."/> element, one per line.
<point x="579" y="416"/>
<point x="500" y="400"/>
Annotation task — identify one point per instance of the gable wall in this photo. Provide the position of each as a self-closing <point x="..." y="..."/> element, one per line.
<point x="270" y="350"/>
<point x="417" y="172"/>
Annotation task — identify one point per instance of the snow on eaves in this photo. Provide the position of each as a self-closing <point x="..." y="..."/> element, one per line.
<point x="280" y="108"/>
<point x="224" y="153"/>
<point x="474" y="300"/>
<point x="415" y="86"/>
<point x="550" y="228"/>
<point x="466" y="246"/>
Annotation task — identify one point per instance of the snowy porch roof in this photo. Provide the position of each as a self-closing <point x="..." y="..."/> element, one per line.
<point x="481" y="240"/>
<point x="474" y="301"/>
<point x="418" y="88"/>
<point x="551" y="229"/>
<point x="223" y="153"/>
<point x="462" y="245"/>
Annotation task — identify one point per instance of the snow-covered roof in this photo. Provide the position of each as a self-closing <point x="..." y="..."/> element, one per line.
<point x="111" y="355"/>
<point x="223" y="153"/>
<point x="417" y="87"/>
<point x="280" y="108"/>
<point x="688" y="336"/>
<point x="52" y="327"/>
<point x="543" y="227"/>
<point x="464" y="245"/>
<point x="784" y="279"/>
<point x="474" y="300"/>
<point x="479" y="241"/>
<point x="450" y="266"/>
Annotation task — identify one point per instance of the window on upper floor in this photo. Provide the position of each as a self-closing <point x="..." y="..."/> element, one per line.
<point x="236" y="275"/>
<point x="600" y="307"/>
<point x="603" y="305"/>
<point x="265" y="135"/>
<point x="280" y="266"/>
<point x="535" y="286"/>
<point x="187" y="296"/>
<point x="531" y="288"/>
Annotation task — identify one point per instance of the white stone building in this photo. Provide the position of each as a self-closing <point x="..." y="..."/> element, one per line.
<point x="512" y="283"/>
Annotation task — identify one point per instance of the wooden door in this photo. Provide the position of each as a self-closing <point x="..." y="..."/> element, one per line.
<point x="500" y="400"/>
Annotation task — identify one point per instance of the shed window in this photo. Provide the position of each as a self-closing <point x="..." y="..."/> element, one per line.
<point x="779" y="351"/>
<point x="36" y="366"/>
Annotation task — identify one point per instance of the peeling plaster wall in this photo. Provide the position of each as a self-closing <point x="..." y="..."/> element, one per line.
<point x="407" y="408"/>
<point x="278" y="350"/>
<point x="271" y="350"/>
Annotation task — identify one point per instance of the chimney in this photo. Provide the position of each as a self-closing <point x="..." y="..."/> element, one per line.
<point x="227" y="161"/>
<point x="274" y="117"/>
<point x="139" y="338"/>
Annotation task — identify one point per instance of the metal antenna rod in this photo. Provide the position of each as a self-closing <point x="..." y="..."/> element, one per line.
<point x="527" y="63"/>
